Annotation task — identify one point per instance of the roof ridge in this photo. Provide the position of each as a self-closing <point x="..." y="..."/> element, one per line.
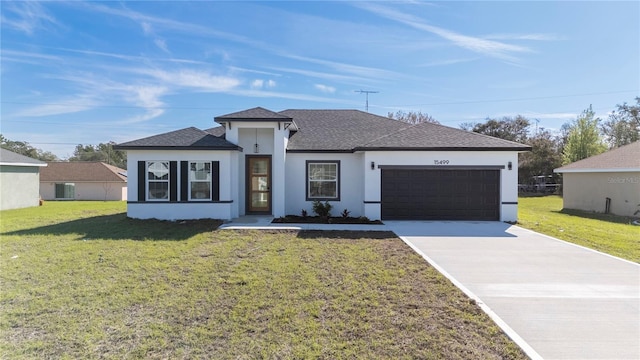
<point x="408" y="126"/>
<point x="473" y="132"/>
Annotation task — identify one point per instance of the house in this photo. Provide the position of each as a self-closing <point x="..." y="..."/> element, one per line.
<point x="19" y="180"/>
<point x="608" y="182"/>
<point x="277" y="163"/>
<point x="76" y="180"/>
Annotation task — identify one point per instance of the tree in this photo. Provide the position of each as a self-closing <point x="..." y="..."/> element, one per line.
<point x="623" y="125"/>
<point x="544" y="156"/>
<point x="584" y="139"/>
<point x="102" y="152"/>
<point x="508" y="128"/>
<point x="412" y="117"/>
<point x="23" y="148"/>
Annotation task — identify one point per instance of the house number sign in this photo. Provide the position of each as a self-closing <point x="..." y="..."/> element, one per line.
<point x="440" y="162"/>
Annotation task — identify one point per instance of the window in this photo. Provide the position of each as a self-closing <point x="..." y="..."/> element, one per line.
<point x="66" y="191"/>
<point x="323" y="180"/>
<point x="158" y="180"/>
<point x="200" y="181"/>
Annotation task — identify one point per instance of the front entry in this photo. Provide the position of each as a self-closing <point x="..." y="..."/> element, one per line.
<point x="258" y="184"/>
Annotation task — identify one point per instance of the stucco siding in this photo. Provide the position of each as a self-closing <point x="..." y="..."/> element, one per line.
<point x="351" y="176"/>
<point x="188" y="210"/>
<point x="101" y="191"/>
<point x="588" y="191"/>
<point x="19" y="186"/>
<point x="508" y="178"/>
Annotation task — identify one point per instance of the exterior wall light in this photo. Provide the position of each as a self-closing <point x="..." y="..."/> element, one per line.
<point x="373" y="165"/>
<point x="509" y="165"/>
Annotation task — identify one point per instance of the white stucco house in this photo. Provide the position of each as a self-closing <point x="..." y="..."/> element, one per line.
<point x="19" y="180"/>
<point x="277" y="163"/>
<point x="608" y="182"/>
<point x="83" y="180"/>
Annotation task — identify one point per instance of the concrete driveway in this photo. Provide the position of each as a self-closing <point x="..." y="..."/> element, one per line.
<point x="555" y="299"/>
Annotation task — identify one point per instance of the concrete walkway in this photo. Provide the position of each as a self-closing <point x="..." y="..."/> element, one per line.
<point x="555" y="299"/>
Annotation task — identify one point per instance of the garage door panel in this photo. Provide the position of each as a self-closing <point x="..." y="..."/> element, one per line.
<point x="440" y="194"/>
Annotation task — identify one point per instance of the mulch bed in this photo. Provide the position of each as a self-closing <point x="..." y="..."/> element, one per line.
<point x="294" y="219"/>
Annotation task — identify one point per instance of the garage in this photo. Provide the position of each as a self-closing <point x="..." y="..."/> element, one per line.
<point x="440" y="194"/>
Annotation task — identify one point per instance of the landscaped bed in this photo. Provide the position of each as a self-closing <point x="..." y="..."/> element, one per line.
<point x="80" y="280"/>
<point x="615" y="235"/>
<point x="293" y="219"/>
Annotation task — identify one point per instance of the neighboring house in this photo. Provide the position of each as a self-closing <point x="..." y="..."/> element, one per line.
<point x="608" y="182"/>
<point x="78" y="180"/>
<point x="19" y="180"/>
<point x="278" y="163"/>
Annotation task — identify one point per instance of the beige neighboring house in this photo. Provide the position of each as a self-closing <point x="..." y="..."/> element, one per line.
<point x="608" y="182"/>
<point x="83" y="181"/>
<point x="19" y="180"/>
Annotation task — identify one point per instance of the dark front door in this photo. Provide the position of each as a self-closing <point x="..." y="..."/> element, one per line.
<point x="258" y="184"/>
<point x="440" y="194"/>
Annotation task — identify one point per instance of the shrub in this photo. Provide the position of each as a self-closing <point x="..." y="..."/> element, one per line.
<point x="322" y="210"/>
<point x="345" y="213"/>
<point x="304" y="214"/>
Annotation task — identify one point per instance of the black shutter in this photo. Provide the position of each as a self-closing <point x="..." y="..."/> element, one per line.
<point x="142" y="177"/>
<point x="215" y="180"/>
<point x="184" y="180"/>
<point x="173" y="181"/>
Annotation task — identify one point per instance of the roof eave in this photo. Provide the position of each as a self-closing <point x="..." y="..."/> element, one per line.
<point x="22" y="164"/>
<point x="587" y="170"/>
<point x="125" y="147"/>
<point x="443" y="148"/>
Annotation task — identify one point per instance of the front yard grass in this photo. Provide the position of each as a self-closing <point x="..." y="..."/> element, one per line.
<point x="607" y="233"/>
<point x="80" y="280"/>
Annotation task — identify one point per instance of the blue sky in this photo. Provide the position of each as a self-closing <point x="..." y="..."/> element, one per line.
<point x="89" y="72"/>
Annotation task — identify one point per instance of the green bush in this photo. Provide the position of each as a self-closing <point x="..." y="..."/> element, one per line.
<point x="322" y="209"/>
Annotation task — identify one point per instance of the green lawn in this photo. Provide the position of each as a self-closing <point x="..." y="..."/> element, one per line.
<point x="80" y="280"/>
<point x="607" y="233"/>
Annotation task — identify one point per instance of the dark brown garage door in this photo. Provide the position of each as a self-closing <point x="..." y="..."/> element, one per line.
<point x="412" y="194"/>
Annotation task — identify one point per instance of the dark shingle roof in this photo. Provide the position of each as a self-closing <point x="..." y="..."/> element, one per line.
<point x="10" y="158"/>
<point x="430" y="136"/>
<point x="185" y="139"/>
<point x="352" y="130"/>
<point x="218" y="131"/>
<point x="623" y="158"/>
<point x="255" y="114"/>
<point x="77" y="171"/>
<point x="337" y="130"/>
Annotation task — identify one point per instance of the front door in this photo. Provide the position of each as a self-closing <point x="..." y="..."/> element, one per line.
<point x="258" y="184"/>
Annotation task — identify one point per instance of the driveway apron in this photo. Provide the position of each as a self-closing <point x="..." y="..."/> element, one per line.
<point x="556" y="299"/>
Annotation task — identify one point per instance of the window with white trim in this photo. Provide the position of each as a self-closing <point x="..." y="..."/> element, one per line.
<point x="65" y="191"/>
<point x="158" y="180"/>
<point x="323" y="180"/>
<point x="200" y="181"/>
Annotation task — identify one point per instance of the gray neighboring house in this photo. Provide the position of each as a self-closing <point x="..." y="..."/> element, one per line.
<point x="19" y="180"/>
<point x="608" y="182"/>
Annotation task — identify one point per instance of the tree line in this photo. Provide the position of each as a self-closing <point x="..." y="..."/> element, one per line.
<point x="103" y="152"/>
<point x="581" y="138"/>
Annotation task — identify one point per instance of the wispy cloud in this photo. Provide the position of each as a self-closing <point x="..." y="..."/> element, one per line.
<point x="476" y="44"/>
<point x="447" y="62"/>
<point x="533" y="37"/>
<point x="198" y="80"/>
<point x="26" y="16"/>
<point x="325" y="88"/>
<point x="362" y="71"/>
<point x="260" y="83"/>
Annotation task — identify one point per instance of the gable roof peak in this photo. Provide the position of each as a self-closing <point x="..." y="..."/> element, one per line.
<point x="254" y="114"/>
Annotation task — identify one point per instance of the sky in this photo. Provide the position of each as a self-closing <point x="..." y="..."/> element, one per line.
<point x="76" y="72"/>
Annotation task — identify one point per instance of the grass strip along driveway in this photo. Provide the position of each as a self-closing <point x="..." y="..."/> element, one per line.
<point x="611" y="234"/>
<point x="80" y="280"/>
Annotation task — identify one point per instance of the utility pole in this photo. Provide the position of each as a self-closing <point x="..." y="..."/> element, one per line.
<point x="367" y="92"/>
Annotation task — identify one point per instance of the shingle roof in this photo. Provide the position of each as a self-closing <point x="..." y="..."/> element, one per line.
<point x="10" y="158"/>
<point x="218" y="131"/>
<point x="78" y="171"/>
<point x="351" y="130"/>
<point x="255" y="114"/>
<point x="185" y="139"/>
<point x="430" y="136"/>
<point x="624" y="158"/>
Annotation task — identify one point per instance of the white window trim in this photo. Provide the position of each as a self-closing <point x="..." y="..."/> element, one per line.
<point x="337" y="180"/>
<point x="210" y="181"/>
<point x="147" y="181"/>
